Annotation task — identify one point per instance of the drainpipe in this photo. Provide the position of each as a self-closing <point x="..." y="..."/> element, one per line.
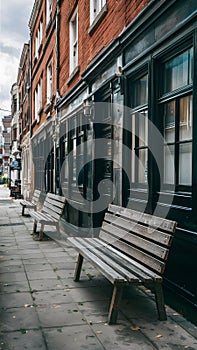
<point x="30" y="171"/>
<point x="56" y="144"/>
<point x="57" y="49"/>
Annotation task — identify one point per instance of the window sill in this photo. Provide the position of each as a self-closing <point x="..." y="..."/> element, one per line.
<point x="48" y="24"/>
<point x="47" y="108"/>
<point x="72" y="75"/>
<point x="97" y="20"/>
<point x="35" y="60"/>
<point x="40" y="48"/>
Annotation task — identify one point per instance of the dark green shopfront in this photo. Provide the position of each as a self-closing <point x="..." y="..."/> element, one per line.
<point x="150" y="72"/>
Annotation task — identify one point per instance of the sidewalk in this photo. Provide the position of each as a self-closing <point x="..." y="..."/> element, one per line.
<point x="42" y="308"/>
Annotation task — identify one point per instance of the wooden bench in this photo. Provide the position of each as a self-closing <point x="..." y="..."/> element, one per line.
<point x="50" y="213"/>
<point x="31" y="204"/>
<point x="132" y="248"/>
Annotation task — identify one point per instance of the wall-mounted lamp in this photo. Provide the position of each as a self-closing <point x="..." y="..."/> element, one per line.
<point x="88" y="106"/>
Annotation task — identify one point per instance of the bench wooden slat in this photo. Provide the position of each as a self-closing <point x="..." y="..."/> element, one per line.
<point x="137" y="268"/>
<point x="31" y="204"/>
<point x="148" y="246"/>
<point x="147" y="232"/>
<point x="43" y="218"/>
<point x="56" y="197"/>
<point x="152" y="221"/>
<point x="51" y="208"/>
<point x="27" y="203"/>
<point x="108" y="259"/>
<point x="131" y="251"/>
<point x="56" y="204"/>
<point x="100" y="265"/>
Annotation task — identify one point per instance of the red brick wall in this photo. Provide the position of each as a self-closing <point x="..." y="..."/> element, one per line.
<point x="39" y="66"/>
<point x="22" y="89"/>
<point x="120" y="13"/>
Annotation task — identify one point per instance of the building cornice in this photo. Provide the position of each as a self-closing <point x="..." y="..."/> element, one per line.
<point x="34" y="14"/>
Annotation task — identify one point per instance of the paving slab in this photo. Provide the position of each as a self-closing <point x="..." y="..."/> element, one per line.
<point x="34" y="275"/>
<point x="25" y="339"/>
<point x="16" y="287"/>
<point x="16" y="319"/>
<point x="13" y="277"/>
<point x="10" y="300"/>
<point x="61" y="296"/>
<point x="59" y="315"/>
<point x="76" y="338"/>
<point x="122" y="337"/>
<point x="46" y="284"/>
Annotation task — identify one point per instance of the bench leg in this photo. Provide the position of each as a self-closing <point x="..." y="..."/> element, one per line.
<point x="160" y="302"/>
<point x="23" y="210"/>
<point x="35" y="226"/>
<point x="58" y="230"/>
<point x="41" y="232"/>
<point x="78" y="268"/>
<point x="114" y="306"/>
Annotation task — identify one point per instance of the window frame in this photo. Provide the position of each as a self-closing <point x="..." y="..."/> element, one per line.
<point x="38" y="38"/>
<point x="49" y="82"/>
<point x="135" y="145"/>
<point x="38" y="100"/>
<point x="73" y="31"/>
<point x="175" y="95"/>
<point x="96" y="19"/>
<point x="94" y="13"/>
<point x="49" y="4"/>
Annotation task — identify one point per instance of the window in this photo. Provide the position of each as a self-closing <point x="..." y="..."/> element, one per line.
<point x="139" y="125"/>
<point x="48" y="11"/>
<point x="15" y="103"/>
<point x="49" y="82"/>
<point x="72" y="157"/>
<point x="38" y="99"/>
<point x="95" y="8"/>
<point x="74" y="41"/>
<point x="178" y="71"/>
<point x="177" y="119"/>
<point x="38" y="39"/>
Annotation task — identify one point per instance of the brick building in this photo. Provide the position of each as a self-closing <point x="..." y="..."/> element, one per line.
<point x="5" y="145"/>
<point x="43" y="91"/>
<point x="15" y="151"/>
<point x="124" y="73"/>
<point x="23" y="82"/>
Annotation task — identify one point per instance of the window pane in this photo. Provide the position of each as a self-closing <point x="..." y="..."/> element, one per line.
<point x="185" y="164"/>
<point x="74" y="159"/>
<point x="169" y="121"/>
<point x="143" y="166"/>
<point x="169" y="164"/>
<point x="177" y="72"/>
<point x="140" y="92"/>
<point x="143" y="128"/>
<point x="191" y="66"/>
<point x="185" y="130"/>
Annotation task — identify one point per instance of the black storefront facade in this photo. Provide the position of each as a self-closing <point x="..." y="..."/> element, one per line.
<point x="151" y="68"/>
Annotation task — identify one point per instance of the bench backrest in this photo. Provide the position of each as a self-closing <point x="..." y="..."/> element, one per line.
<point x="53" y="205"/>
<point x="144" y="237"/>
<point x="36" y="197"/>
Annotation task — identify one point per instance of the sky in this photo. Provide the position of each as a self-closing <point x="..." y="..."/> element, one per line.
<point x="14" y="32"/>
